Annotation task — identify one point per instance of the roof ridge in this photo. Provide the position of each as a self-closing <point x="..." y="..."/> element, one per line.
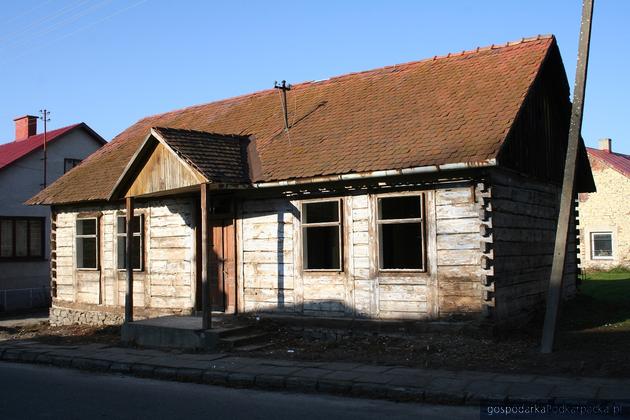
<point x="521" y="41"/>
<point x="211" y="133"/>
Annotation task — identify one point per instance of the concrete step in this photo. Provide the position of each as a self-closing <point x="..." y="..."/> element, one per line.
<point x="253" y="347"/>
<point x="241" y="340"/>
<point x="236" y="330"/>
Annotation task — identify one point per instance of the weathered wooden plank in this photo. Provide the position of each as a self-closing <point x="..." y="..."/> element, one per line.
<point x="272" y="257"/>
<point x="456" y="211"/>
<point x="402" y="306"/>
<point x="448" y="226"/>
<point x="458" y="241"/>
<point x="458" y="257"/>
<point x="403" y="293"/>
<point x="453" y="196"/>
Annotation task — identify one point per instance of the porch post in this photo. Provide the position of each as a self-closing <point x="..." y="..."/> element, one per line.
<point x="206" y="320"/>
<point x="129" y="254"/>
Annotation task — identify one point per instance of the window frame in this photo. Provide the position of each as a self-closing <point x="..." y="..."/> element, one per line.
<point x="75" y="163"/>
<point x="124" y="235"/>
<point x="612" y="245"/>
<point x="96" y="235"/>
<point x="339" y="224"/>
<point x="421" y="220"/>
<point x="28" y="256"/>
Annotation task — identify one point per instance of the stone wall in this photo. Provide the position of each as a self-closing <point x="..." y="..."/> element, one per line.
<point x="607" y="210"/>
<point x="63" y="316"/>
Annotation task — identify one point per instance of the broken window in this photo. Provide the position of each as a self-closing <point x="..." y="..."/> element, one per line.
<point x="321" y="233"/>
<point x="121" y="244"/>
<point x="601" y="245"/>
<point x="401" y="232"/>
<point x="87" y="243"/>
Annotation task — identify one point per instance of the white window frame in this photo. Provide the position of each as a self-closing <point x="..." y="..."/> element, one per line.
<point x="139" y="234"/>
<point x="96" y="236"/>
<point x="612" y="244"/>
<point x="421" y="220"/>
<point x="305" y="226"/>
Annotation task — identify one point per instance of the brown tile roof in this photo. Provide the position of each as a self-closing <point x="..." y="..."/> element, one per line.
<point x="218" y="157"/>
<point x="450" y="109"/>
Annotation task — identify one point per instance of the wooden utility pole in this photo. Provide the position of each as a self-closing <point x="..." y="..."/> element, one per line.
<point x="129" y="257"/>
<point x="45" y="113"/>
<point x="206" y="298"/>
<point x="567" y="202"/>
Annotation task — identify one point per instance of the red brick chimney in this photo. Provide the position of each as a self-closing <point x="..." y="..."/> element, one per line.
<point x="25" y="127"/>
<point x="605" y="145"/>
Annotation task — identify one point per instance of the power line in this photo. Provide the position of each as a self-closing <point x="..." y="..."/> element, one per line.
<point x="51" y="28"/>
<point x="82" y="28"/>
<point x="27" y="28"/>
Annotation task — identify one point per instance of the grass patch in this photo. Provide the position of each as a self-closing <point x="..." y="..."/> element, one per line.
<point x="603" y="302"/>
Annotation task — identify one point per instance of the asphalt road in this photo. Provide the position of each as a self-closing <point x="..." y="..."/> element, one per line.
<point x="41" y="392"/>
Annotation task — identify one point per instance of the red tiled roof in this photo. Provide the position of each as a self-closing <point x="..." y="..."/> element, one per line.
<point x="617" y="161"/>
<point x="15" y="150"/>
<point x="451" y="109"/>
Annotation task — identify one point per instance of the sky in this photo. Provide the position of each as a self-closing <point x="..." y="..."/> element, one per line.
<point x="110" y="63"/>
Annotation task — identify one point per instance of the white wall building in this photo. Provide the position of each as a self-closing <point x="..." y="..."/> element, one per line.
<point x="24" y="230"/>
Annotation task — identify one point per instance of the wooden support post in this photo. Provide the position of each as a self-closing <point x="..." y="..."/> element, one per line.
<point x="206" y="321"/>
<point x="129" y="254"/>
<point x="568" y="183"/>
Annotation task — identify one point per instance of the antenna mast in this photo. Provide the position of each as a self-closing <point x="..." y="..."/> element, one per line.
<point x="284" y="87"/>
<point x="44" y="117"/>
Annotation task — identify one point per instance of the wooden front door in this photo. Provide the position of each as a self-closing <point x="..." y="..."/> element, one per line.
<point x="222" y="264"/>
<point x="222" y="255"/>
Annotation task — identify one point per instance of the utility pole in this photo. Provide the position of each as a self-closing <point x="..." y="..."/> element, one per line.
<point x="44" y="117"/>
<point x="567" y="201"/>
<point x="284" y="87"/>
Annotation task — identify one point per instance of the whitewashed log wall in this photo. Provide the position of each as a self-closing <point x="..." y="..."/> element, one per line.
<point x="166" y="285"/>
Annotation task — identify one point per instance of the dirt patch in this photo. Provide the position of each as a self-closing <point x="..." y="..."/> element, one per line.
<point x="71" y="334"/>
<point x="599" y="352"/>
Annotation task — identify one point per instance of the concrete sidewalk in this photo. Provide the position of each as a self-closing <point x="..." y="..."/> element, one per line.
<point x="360" y="380"/>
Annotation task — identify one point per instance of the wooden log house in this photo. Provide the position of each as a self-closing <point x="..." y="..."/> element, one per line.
<point x="424" y="191"/>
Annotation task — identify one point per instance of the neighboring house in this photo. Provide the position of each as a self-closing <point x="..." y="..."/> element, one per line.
<point x="604" y="217"/>
<point x="24" y="230"/>
<point x="427" y="190"/>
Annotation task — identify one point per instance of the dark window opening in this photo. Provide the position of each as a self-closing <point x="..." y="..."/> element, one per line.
<point x="22" y="237"/>
<point x="121" y="243"/>
<point x="321" y="231"/>
<point x="69" y="164"/>
<point x="87" y="243"/>
<point x="401" y="233"/>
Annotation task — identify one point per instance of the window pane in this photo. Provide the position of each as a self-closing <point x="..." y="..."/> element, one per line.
<point x="6" y="235"/>
<point x="401" y="246"/>
<point x="602" y="245"/>
<point x="86" y="252"/>
<point x="21" y="233"/>
<point x="137" y="253"/>
<point x="121" y="252"/>
<point x="327" y="211"/>
<point x="321" y="246"/>
<point x="121" y="224"/>
<point x="86" y="227"/>
<point x="399" y="208"/>
<point x="35" y="232"/>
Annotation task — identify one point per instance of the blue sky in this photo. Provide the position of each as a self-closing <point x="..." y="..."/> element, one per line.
<point x="112" y="62"/>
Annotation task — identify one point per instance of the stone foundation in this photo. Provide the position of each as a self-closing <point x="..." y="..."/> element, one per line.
<point x="64" y="316"/>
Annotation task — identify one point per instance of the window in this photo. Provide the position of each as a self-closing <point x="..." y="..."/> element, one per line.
<point x="121" y="243"/>
<point x="401" y="232"/>
<point x="321" y="234"/>
<point x="22" y="237"/>
<point x="601" y="245"/>
<point x="87" y="243"/>
<point x="69" y="164"/>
